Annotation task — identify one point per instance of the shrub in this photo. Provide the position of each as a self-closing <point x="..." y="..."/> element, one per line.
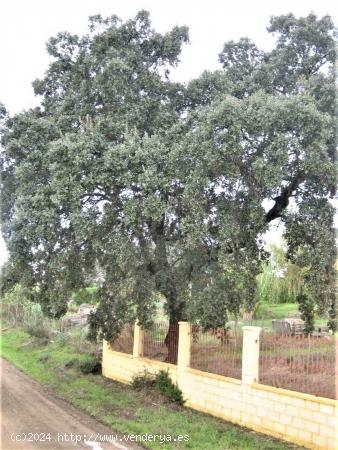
<point x="306" y="307"/>
<point x="35" y="323"/>
<point x="143" y="380"/>
<point x="167" y="388"/>
<point x="92" y="365"/>
<point x="62" y="339"/>
<point x="161" y="382"/>
<point x="38" y="331"/>
<point x="33" y="315"/>
<point x="17" y="295"/>
<point x="12" y="305"/>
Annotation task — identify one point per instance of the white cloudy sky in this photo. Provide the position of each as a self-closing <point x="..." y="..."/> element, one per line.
<point x="26" y="25"/>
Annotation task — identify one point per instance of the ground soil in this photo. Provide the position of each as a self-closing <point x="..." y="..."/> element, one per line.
<point x="30" y="408"/>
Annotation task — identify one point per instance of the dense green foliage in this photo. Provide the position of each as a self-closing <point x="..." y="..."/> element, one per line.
<point x="143" y="380"/>
<point x="86" y="295"/>
<point x="92" y="365"/>
<point x="165" y="386"/>
<point x="17" y="294"/>
<point x="169" y="188"/>
<point x="160" y="381"/>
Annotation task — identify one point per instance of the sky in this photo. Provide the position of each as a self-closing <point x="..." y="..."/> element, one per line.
<point x="26" y="25"/>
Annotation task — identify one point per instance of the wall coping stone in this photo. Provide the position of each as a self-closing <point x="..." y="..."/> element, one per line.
<point x="295" y="394"/>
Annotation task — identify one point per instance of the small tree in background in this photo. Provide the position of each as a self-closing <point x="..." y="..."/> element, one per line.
<point x="280" y="281"/>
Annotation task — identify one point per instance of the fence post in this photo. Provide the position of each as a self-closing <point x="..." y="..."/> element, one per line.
<point x="184" y="344"/>
<point x="335" y="343"/>
<point x="250" y="354"/>
<point x="138" y="341"/>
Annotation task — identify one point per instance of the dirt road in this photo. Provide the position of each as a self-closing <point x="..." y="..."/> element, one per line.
<point x="32" y="418"/>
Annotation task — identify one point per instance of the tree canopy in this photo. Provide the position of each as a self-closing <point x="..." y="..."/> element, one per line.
<point x="169" y="188"/>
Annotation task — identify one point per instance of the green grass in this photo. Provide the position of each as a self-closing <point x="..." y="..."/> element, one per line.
<point x="281" y="310"/>
<point x="269" y="311"/>
<point x="121" y="407"/>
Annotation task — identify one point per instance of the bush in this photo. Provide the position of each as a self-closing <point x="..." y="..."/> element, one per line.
<point x="17" y="295"/>
<point x="13" y="303"/>
<point x="307" y="307"/>
<point x="90" y="366"/>
<point x="161" y="382"/>
<point x="35" y="323"/>
<point x="143" y="380"/>
<point x="38" y="331"/>
<point x="62" y="339"/>
<point x="167" y="388"/>
<point x="33" y="315"/>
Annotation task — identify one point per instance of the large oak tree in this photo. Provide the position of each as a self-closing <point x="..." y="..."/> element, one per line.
<point x="169" y="188"/>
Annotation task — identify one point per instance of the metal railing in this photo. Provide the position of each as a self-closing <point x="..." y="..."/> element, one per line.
<point x="161" y="342"/>
<point x="125" y="341"/>
<point x="299" y="363"/>
<point x="217" y="351"/>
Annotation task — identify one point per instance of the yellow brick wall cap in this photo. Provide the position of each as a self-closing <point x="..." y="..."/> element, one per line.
<point x="213" y="376"/>
<point x="295" y="394"/>
<point x="154" y="362"/>
<point x="123" y="355"/>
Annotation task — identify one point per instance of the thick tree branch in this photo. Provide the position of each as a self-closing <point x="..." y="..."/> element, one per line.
<point x="282" y="200"/>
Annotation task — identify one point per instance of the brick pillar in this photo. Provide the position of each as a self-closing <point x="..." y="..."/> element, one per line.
<point x="104" y="349"/>
<point x="335" y="415"/>
<point x="184" y="344"/>
<point x="250" y="356"/>
<point x="138" y="341"/>
<point x="335" y="341"/>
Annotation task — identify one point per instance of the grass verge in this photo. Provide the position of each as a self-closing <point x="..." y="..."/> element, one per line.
<point x="269" y="311"/>
<point x="122" y="408"/>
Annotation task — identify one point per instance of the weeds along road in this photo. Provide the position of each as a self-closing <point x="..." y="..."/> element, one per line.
<point x="32" y="418"/>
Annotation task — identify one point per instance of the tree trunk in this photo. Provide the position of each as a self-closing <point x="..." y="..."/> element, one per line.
<point x="166" y="284"/>
<point x="171" y="341"/>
